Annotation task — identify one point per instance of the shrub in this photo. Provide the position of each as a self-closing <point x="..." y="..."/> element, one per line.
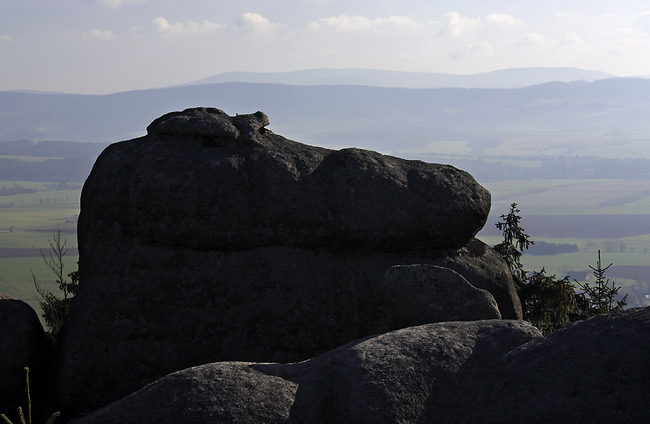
<point x="55" y="309"/>
<point x="547" y="302"/>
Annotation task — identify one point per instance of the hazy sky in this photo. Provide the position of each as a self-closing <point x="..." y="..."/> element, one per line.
<point x="104" y="46"/>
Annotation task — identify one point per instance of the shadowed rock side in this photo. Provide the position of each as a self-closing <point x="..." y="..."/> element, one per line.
<point x="594" y="371"/>
<point x="419" y="294"/>
<point x="213" y="239"/>
<point x="418" y="374"/>
<point x="484" y="269"/>
<point x="23" y="343"/>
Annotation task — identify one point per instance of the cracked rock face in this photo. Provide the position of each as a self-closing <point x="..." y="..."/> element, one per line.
<point x="212" y="239"/>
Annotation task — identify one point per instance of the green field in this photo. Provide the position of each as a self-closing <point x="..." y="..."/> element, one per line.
<point x="572" y="197"/>
<point x="27" y="222"/>
<point x="604" y="206"/>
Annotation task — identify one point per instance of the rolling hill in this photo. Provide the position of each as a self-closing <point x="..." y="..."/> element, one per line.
<point x="606" y="118"/>
<point x="504" y="78"/>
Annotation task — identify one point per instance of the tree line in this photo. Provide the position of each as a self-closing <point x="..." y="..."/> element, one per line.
<point x="542" y="248"/>
<point x="65" y="170"/>
<point x="51" y="149"/>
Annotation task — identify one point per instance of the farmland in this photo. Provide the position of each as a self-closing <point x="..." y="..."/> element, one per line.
<point x="27" y="222"/>
<point x="608" y="215"/>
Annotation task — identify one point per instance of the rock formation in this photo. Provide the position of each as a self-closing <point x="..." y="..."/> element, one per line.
<point x="419" y="374"/>
<point x="594" y="371"/>
<point x="419" y="294"/>
<point x="22" y="344"/>
<point x="213" y="239"/>
<point x="214" y="254"/>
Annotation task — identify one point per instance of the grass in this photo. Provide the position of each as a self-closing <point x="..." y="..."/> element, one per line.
<point x="21" y="415"/>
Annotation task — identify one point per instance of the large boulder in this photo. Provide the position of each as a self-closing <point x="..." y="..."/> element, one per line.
<point x="23" y="343"/>
<point x="224" y="392"/>
<point x="142" y="321"/>
<point x="198" y="181"/>
<point x="484" y="269"/>
<point x="594" y="371"/>
<point x="419" y="374"/>
<point x="419" y="294"/>
<point x="213" y="239"/>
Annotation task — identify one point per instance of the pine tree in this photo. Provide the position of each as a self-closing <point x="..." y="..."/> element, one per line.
<point x="600" y="298"/>
<point x="513" y="244"/>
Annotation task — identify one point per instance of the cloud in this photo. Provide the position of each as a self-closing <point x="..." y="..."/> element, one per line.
<point x="117" y="3"/>
<point x="185" y="30"/>
<point x="362" y="23"/>
<point x="502" y="19"/>
<point x="457" y="26"/>
<point x="532" y="40"/>
<point x="257" y="24"/>
<point x="5" y="38"/>
<point x="572" y="37"/>
<point x="99" y="35"/>
<point x="562" y="14"/>
<point x="642" y="23"/>
<point x="463" y="51"/>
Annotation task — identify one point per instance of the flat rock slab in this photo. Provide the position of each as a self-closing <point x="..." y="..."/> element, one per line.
<point x="413" y="375"/>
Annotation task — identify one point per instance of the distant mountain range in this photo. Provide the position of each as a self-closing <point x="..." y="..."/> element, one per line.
<point x="505" y="78"/>
<point x="608" y="117"/>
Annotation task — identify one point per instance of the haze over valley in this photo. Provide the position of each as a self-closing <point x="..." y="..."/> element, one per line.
<point x="327" y="210"/>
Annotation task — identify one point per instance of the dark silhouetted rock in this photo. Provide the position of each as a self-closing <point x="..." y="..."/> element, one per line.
<point x="211" y="123"/>
<point x="214" y="239"/>
<point x="419" y="374"/>
<point x="193" y="183"/>
<point x="420" y="294"/>
<point x="22" y="344"/>
<point x="595" y="371"/>
<point x="484" y="269"/>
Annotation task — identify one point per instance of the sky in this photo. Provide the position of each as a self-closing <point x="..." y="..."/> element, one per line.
<point x="107" y="46"/>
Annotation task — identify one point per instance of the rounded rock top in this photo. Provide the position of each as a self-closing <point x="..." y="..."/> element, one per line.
<point x="210" y="122"/>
